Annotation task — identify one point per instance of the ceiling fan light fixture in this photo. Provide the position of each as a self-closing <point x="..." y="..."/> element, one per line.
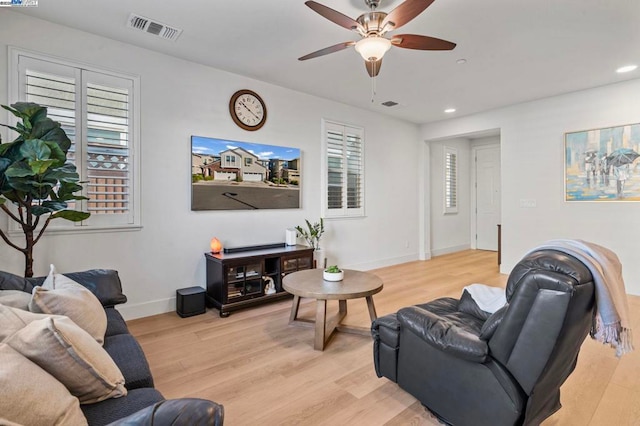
<point x="373" y="48"/>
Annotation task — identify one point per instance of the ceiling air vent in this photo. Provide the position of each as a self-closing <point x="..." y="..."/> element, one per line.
<point x="389" y="104"/>
<point x="159" y="29"/>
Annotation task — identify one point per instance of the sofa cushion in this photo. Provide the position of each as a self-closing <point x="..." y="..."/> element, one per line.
<point x="62" y="296"/>
<point x="31" y="396"/>
<point x="115" y="323"/>
<point x="9" y="281"/>
<point x="104" y="283"/>
<point x="110" y="410"/>
<point x="15" y="299"/>
<point x="129" y="357"/>
<point x="14" y="319"/>
<point x="72" y="356"/>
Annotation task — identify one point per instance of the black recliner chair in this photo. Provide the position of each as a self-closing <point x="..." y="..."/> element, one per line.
<point x="472" y="368"/>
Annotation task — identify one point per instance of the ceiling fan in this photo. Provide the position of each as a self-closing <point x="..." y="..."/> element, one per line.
<point x="372" y="26"/>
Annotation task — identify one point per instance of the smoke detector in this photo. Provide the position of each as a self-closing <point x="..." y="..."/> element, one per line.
<point x="156" y="28"/>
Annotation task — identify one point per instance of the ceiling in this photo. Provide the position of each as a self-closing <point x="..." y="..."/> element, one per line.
<point x="515" y="50"/>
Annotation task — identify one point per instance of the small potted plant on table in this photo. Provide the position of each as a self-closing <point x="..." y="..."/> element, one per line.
<point x="333" y="273"/>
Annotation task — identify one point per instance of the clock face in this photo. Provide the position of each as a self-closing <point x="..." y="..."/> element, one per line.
<point x="248" y="110"/>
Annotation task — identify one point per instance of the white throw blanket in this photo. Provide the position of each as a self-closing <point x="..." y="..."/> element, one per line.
<point x="488" y="298"/>
<point x="611" y="320"/>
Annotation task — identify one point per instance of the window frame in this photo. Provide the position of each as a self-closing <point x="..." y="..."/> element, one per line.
<point x="447" y="197"/>
<point x="16" y="80"/>
<point x="344" y="212"/>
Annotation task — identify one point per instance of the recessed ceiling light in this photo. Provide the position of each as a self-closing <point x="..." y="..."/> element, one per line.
<point x="626" y="68"/>
<point x="461" y="61"/>
<point x="450" y="110"/>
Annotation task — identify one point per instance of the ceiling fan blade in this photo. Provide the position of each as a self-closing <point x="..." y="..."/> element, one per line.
<point x="405" y="12"/>
<point x="331" y="49"/>
<point x="333" y="15"/>
<point x="420" y="42"/>
<point x="373" y="67"/>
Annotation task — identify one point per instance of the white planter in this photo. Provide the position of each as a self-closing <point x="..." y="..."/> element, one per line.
<point x="318" y="256"/>
<point x="333" y="276"/>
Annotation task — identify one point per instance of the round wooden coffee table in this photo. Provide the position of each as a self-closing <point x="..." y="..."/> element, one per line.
<point x="309" y="283"/>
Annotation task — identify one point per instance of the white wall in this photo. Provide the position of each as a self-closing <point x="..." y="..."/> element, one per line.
<point x="450" y="232"/>
<point x="532" y="141"/>
<point x="180" y="99"/>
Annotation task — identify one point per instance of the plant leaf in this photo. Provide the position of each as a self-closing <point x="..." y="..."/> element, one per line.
<point x="40" y="166"/>
<point x="18" y="170"/>
<point x="35" y="149"/>
<point x="57" y="153"/>
<point x="72" y="215"/>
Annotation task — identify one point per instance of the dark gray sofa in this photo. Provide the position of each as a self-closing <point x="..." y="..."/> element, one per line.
<point x="143" y="404"/>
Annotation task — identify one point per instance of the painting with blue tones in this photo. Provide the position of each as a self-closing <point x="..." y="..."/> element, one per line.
<point x="602" y="164"/>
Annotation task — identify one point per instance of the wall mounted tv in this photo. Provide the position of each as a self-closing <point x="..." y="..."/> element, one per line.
<point x="232" y="175"/>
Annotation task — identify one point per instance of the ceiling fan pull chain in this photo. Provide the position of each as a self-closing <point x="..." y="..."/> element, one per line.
<point x="373" y="89"/>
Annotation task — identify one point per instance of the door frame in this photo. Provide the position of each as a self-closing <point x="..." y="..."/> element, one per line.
<point x="474" y="190"/>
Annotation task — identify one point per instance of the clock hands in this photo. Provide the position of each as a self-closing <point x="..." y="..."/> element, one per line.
<point x="247" y="108"/>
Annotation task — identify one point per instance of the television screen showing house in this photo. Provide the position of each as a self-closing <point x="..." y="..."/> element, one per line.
<point x="232" y="175"/>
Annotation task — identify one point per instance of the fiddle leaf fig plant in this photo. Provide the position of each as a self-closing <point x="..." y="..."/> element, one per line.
<point x="36" y="178"/>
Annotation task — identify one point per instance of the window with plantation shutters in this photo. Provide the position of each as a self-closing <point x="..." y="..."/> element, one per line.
<point x="95" y="109"/>
<point x="343" y="170"/>
<point x="450" y="180"/>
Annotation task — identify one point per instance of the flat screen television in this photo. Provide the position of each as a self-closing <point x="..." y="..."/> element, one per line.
<point x="233" y="175"/>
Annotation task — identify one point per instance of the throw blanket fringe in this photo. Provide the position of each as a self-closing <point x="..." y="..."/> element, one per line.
<point x="610" y="324"/>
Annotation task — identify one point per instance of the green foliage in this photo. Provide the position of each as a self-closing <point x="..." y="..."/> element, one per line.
<point x="333" y="269"/>
<point x="313" y="232"/>
<point x="293" y="182"/>
<point x="196" y="178"/>
<point x="34" y="174"/>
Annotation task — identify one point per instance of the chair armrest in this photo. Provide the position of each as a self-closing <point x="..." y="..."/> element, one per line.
<point x="176" y="412"/>
<point x="442" y="334"/>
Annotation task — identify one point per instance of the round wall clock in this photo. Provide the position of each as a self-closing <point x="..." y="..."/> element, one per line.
<point x="248" y="110"/>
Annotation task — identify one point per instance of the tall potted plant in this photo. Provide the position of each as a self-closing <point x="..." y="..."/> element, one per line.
<point x="36" y="178"/>
<point x="312" y="235"/>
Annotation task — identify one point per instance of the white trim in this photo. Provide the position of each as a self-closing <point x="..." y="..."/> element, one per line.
<point x="381" y="263"/>
<point x="344" y="212"/>
<point x="424" y="197"/>
<point x="98" y="223"/>
<point x="453" y="249"/>
<point x="131" y="311"/>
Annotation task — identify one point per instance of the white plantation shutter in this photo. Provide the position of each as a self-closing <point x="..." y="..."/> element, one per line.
<point x="450" y="180"/>
<point x="343" y="170"/>
<point x="107" y="149"/>
<point x="95" y="110"/>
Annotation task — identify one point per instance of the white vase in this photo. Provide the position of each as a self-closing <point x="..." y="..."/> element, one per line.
<point x="318" y="257"/>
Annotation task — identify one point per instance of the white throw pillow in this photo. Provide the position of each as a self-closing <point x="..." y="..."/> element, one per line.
<point x="15" y="299"/>
<point x="14" y="319"/>
<point x="32" y="397"/>
<point x="72" y="356"/>
<point x="61" y="295"/>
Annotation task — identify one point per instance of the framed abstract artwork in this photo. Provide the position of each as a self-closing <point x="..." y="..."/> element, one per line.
<point x="602" y="164"/>
<point x="232" y="175"/>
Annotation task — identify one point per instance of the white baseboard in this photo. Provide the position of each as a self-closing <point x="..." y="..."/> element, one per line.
<point x="131" y="311"/>
<point x="447" y="250"/>
<point x="381" y="263"/>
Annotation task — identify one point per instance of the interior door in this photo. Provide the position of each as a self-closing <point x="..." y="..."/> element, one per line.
<point x="488" y="196"/>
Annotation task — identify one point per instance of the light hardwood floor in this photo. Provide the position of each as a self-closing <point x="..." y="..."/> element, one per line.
<point x="266" y="372"/>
